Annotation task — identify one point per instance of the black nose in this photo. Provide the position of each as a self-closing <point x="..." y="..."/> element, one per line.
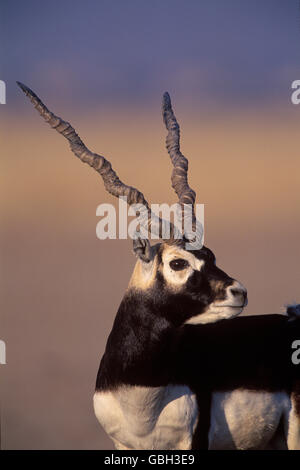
<point x="238" y="292"/>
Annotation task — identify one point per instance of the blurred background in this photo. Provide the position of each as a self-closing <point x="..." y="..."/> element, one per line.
<point x="103" y="66"/>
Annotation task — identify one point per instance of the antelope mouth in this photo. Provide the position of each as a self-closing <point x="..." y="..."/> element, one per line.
<point x="215" y="313"/>
<point x="230" y="306"/>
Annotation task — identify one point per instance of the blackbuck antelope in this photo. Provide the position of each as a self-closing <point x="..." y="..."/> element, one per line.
<point x="179" y="372"/>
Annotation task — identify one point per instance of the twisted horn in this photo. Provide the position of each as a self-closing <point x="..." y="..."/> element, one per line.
<point x="111" y="181"/>
<point x="179" y="177"/>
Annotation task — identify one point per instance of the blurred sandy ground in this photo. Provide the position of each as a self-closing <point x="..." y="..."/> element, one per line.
<point x="61" y="286"/>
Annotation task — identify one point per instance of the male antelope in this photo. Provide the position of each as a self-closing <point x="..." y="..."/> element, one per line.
<point x="179" y="372"/>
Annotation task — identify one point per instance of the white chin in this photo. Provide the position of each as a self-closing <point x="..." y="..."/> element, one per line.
<point x="214" y="314"/>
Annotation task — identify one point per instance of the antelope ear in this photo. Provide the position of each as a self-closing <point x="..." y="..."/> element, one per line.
<point x="142" y="249"/>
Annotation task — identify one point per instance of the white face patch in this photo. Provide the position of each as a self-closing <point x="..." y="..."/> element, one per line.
<point x="177" y="279"/>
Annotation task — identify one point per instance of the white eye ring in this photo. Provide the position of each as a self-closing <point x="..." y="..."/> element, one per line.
<point x="179" y="264"/>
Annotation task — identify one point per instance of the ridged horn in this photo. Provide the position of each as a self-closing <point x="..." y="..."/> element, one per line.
<point x="111" y="181"/>
<point x="179" y="177"/>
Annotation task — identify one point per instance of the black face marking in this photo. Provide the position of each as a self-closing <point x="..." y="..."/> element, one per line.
<point x="179" y="264"/>
<point x="177" y="307"/>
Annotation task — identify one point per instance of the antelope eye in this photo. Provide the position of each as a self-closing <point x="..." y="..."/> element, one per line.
<point x="178" y="264"/>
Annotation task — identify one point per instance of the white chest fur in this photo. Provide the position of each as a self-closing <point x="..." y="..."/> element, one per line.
<point x="148" y="418"/>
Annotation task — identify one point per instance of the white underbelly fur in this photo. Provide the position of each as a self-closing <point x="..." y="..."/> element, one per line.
<point x="242" y="419"/>
<point x="165" y="418"/>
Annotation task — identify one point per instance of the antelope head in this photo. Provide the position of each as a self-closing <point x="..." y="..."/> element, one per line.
<point x="179" y="284"/>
